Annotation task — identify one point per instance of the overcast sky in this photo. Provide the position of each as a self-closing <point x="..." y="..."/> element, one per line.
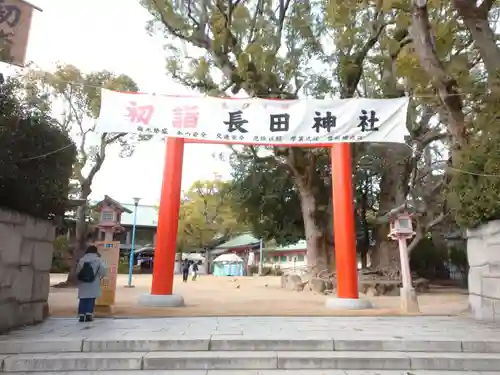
<point x="110" y="34"/>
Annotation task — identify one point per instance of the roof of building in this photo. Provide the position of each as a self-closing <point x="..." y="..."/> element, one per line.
<point x="147" y="216"/>
<point x="32" y="5"/>
<point x="243" y="240"/>
<point x="408" y="207"/>
<point x="301" y="245"/>
<point x="111" y="202"/>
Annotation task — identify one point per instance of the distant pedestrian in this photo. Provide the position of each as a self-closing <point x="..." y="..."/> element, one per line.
<point x="194" y="269"/>
<point x="90" y="270"/>
<point x="185" y="271"/>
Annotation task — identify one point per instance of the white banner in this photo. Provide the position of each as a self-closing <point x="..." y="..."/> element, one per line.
<point x="255" y="121"/>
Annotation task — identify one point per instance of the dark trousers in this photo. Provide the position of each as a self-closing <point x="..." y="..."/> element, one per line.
<point x="185" y="275"/>
<point x="86" y="306"/>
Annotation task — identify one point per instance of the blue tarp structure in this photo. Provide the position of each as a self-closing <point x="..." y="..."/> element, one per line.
<point x="228" y="265"/>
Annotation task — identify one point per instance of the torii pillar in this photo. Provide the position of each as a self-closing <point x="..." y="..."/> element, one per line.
<point x="344" y="231"/>
<point x="166" y="232"/>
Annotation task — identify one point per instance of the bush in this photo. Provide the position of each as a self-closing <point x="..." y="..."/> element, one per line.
<point x="474" y="190"/>
<point x="253" y="270"/>
<point x="272" y="271"/>
<point x="62" y="253"/>
<point x="266" y="271"/>
<point x="36" y="158"/>
<point x="458" y="257"/>
<point x="429" y="261"/>
<point x="123" y="267"/>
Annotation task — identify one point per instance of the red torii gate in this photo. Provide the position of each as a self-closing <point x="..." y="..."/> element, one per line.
<point x="166" y="236"/>
<point x="344" y="226"/>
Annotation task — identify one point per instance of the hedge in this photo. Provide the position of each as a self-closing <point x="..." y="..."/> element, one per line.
<point x="474" y="189"/>
<point x="36" y="158"/>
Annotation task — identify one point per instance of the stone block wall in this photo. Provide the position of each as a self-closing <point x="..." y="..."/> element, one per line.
<point x="26" y="248"/>
<point x="483" y="253"/>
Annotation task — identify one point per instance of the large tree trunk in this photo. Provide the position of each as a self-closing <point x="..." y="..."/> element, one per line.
<point x="80" y="242"/>
<point x="385" y="256"/>
<point x="319" y="254"/>
<point x="393" y="181"/>
<point x="364" y="245"/>
<point x="476" y="20"/>
<point x="444" y="83"/>
<point x="81" y="233"/>
<point x="85" y="191"/>
<point x="314" y="206"/>
<point x="395" y="175"/>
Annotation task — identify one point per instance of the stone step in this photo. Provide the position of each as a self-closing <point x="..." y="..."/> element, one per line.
<point x="241" y="343"/>
<point x="233" y="360"/>
<point x="263" y="372"/>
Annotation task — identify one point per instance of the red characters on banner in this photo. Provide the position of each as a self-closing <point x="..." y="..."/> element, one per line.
<point x="140" y="114"/>
<point x="185" y="117"/>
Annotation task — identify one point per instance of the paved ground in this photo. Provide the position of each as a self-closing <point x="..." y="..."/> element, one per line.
<point x="248" y="296"/>
<point x="416" y="328"/>
<point x="121" y="344"/>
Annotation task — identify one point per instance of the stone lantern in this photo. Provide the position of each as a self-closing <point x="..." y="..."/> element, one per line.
<point x="401" y="229"/>
<point x="401" y="226"/>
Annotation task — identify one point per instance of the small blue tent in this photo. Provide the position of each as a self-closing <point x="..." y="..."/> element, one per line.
<point x="228" y="265"/>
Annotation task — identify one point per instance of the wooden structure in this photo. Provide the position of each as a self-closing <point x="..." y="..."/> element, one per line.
<point x="110" y="212"/>
<point x="15" y="27"/>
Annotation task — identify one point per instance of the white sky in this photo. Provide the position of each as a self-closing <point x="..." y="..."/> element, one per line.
<point x="111" y="35"/>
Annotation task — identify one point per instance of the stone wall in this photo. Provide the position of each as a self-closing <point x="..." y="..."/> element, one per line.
<point x="26" y="247"/>
<point x="483" y="253"/>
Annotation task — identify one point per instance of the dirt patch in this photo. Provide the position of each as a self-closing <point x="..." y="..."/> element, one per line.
<point x="247" y="296"/>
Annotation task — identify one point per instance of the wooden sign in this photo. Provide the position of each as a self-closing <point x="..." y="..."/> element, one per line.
<point x="110" y="254"/>
<point x="15" y="25"/>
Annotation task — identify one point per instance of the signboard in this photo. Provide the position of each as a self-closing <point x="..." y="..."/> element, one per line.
<point x="255" y="121"/>
<point x="110" y="254"/>
<point x="15" y="25"/>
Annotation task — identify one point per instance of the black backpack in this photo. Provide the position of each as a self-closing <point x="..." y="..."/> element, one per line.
<point x="86" y="274"/>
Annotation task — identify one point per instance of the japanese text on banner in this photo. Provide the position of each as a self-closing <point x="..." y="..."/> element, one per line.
<point x="256" y="120"/>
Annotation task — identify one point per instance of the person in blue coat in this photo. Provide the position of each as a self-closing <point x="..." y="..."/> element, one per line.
<point x="90" y="270"/>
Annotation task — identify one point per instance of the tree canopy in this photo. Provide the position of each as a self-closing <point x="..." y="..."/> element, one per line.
<point x="36" y="157"/>
<point x="79" y="96"/>
<point x="207" y="214"/>
<point x="323" y="48"/>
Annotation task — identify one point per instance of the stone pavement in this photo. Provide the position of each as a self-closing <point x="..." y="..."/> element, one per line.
<point x="255" y="346"/>
<point x="412" y="328"/>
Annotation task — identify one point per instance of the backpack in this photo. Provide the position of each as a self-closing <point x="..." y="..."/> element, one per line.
<point x="86" y="274"/>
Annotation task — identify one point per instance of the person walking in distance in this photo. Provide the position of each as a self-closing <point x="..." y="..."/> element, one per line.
<point x="194" y="268"/>
<point x="90" y="270"/>
<point x="185" y="270"/>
